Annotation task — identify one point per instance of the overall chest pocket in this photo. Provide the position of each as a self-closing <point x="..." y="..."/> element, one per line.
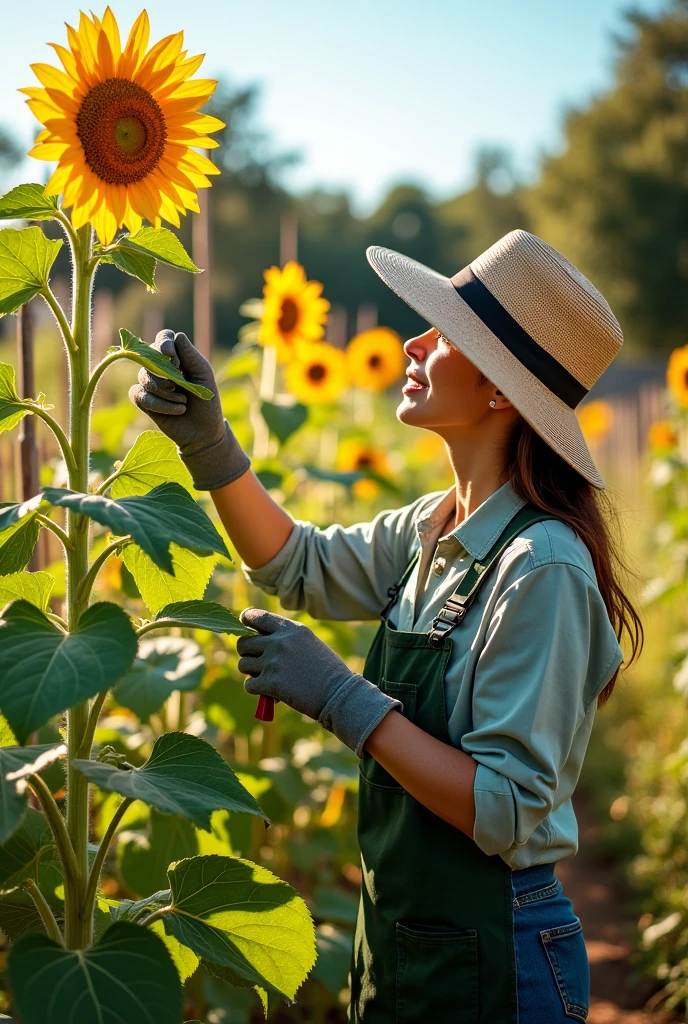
<point x="373" y="773"/>
<point x="437" y="975"/>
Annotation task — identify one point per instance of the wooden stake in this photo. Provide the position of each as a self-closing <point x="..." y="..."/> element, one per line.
<point x="204" y="326"/>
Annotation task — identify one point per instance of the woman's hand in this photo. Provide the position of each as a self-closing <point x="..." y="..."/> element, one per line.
<point x="288" y="662"/>
<point x="203" y="436"/>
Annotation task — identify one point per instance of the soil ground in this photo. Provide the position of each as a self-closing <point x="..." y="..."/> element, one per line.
<point x="592" y="887"/>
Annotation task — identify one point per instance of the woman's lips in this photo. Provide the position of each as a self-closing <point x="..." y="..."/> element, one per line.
<point x="413" y="385"/>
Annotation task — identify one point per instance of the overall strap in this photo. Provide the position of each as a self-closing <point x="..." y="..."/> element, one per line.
<point x="460" y="601"/>
<point x="394" y="591"/>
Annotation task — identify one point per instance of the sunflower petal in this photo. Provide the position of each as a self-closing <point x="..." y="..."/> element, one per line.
<point x="137" y="44"/>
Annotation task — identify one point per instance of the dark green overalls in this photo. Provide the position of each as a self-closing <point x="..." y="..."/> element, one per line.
<point x="434" y="938"/>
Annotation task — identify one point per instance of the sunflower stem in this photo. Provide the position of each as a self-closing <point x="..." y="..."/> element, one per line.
<point x="93" y="878"/>
<point x="43" y="908"/>
<point x="62" y="440"/>
<point x="78" y="924"/>
<point x="54" y="528"/>
<point x="86" y="585"/>
<point x="68" y="229"/>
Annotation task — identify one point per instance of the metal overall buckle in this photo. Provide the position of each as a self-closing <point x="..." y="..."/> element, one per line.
<point x="447" y="620"/>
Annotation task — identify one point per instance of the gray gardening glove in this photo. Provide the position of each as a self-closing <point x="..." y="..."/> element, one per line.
<point x="204" y="438"/>
<point x="288" y="662"/>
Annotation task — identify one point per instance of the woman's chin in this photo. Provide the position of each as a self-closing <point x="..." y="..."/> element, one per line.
<point x="410" y="411"/>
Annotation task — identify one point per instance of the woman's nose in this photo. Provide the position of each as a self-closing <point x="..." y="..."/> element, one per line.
<point x="417" y="346"/>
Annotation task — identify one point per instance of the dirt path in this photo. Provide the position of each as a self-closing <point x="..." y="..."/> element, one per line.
<point x="590" y="885"/>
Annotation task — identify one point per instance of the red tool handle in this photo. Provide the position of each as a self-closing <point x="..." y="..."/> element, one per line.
<point x="265" y="712"/>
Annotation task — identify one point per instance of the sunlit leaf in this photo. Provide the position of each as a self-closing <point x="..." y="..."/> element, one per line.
<point x="239" y="915"/>
<point x="21" y="852"/>
<point x="284" y="420"/>
<point x="12" y="409"/>
<point x="34" y="587"/>
<point x="189" y="578"/>
<point x="27" y="202"/>
<point x="136" y="264"/>
<point x="45" y="670"/>
<point x="153" y="460"/>
<point x="201" y="615"/>
<point x="26" y="257"/>
<point x="17" y="544"/>
<point x="184" y="775"/>
<point x="128" y="977"/>
<point x="163" y="245"/>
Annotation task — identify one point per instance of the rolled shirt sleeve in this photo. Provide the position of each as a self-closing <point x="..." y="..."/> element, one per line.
<point x="549" y="651"/>
<point x="340" y="572"/>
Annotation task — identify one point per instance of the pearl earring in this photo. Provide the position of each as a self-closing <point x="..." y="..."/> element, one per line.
<point x="493" y="403"/>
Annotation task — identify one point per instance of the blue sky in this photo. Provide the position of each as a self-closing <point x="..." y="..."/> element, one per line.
<point x="371" y="91"/>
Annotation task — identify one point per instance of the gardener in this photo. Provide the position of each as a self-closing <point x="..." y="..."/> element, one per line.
<point x="475" y="705"/>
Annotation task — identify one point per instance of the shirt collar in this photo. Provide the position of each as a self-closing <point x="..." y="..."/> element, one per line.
<point x="479" y="532"/>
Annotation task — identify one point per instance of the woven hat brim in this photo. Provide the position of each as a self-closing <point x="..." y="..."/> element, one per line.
<point x="434" y="297"/>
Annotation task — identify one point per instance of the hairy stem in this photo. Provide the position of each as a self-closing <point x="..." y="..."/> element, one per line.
<point x="65" y="446"/>
<point x="84" y="591"/>
<point x="108" y="482"/>
<point x="92" y="724"/>
<point x="155" y="916"/>
<point x="57" y="826"/>
<point x="54" y="528"/>
<point x="58" y="313"/>
<point x="78" y="927"/>
<point x="96" y="867"/>
<point x="43" y="908"/>
<point x="68" y="229"/>
<point x="100" y="369"/>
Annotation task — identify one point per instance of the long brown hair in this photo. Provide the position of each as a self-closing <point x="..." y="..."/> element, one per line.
<point x="543" y="478"/>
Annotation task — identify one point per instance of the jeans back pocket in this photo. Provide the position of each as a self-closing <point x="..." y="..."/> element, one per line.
<point x="568" y="958"/>
<point x="437" y="975"/>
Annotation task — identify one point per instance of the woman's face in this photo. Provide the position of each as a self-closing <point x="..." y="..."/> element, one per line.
<point x="450" y="393"/>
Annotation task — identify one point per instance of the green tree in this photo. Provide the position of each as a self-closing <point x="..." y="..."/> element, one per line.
<point x="615" y="201"/>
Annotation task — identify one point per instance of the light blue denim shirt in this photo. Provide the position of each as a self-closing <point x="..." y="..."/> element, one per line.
<point x="527" y="663"/>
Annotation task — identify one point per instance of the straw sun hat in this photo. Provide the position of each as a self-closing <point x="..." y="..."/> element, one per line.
<point x="530" y="322"/>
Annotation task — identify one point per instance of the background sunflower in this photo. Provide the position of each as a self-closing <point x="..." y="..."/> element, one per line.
<point x="375" y="358"/>
<point x="294" y="311"/>
<point x="596" y="419"/>
<point x="677" y="375"/>
<point x="121" y="124"/>
<point x="353" y="454"/>
<point x="318" y="374"/>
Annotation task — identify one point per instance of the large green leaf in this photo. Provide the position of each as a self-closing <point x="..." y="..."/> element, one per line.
<point x="126" y="978"/>
<point x="26" y="257"/>
<point x="201" y="615"/>
<point x="27" y="202"/>
<point x="22" y="851"/>
<point x="17" y="544"/>
<point x="164" y="664"/>
<point x="44" y="670"/>
<point x="189" y="577"/>
<point x="12" y="513"/>
<point x="136" y="264"/>
<point x="34" y="587"/>
<point x="18" y="914"/>
<point x="334" y="957"/>
<point x="158" y="363"/>
<point x="167" y="513"/>
<point x="144" y="859"/>
<point x="239" y="915"/>
<point x="163" y="245"/>
<point x="12" y="409"/>
<point x="184" y="775"/>
<point x="153" y="460"/>
<point x="284" y="420"/>
<point x="16" y="764"/>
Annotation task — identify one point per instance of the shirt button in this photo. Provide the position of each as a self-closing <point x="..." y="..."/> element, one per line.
<point x="439" y="566"/>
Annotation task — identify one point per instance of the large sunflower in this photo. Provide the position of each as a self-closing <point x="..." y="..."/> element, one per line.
<point x="596" y="419"/>
<point x="376" y="359"/>
<point x="294" y="311"/>
<point x="121" y="124"/>
<point x="318" y="374"/>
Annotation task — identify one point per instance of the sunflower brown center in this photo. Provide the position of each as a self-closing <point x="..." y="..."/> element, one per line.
<point x="122" y="130"/>
<point x="316" y="372"/>
<point x="374" y="362"/>
<point x="363" y="461"/>
<point x="289" y="316"/>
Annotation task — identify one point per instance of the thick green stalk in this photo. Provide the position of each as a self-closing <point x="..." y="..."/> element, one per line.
<point x="78" y="926"/>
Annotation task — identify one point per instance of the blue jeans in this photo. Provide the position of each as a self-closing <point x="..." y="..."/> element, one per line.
<point x="552" y="969"/>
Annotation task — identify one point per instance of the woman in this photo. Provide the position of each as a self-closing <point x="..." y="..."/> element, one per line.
<point x="499" y="639"/>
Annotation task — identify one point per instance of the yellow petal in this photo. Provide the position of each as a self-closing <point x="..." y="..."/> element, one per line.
<point x="57" y="182"/>
<point x="111" y="29"/>
<point x="53" y="78"/>
<point x="48" y="150"/>
<point x="68" y="61"/>
<point x="137" y="44"/>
